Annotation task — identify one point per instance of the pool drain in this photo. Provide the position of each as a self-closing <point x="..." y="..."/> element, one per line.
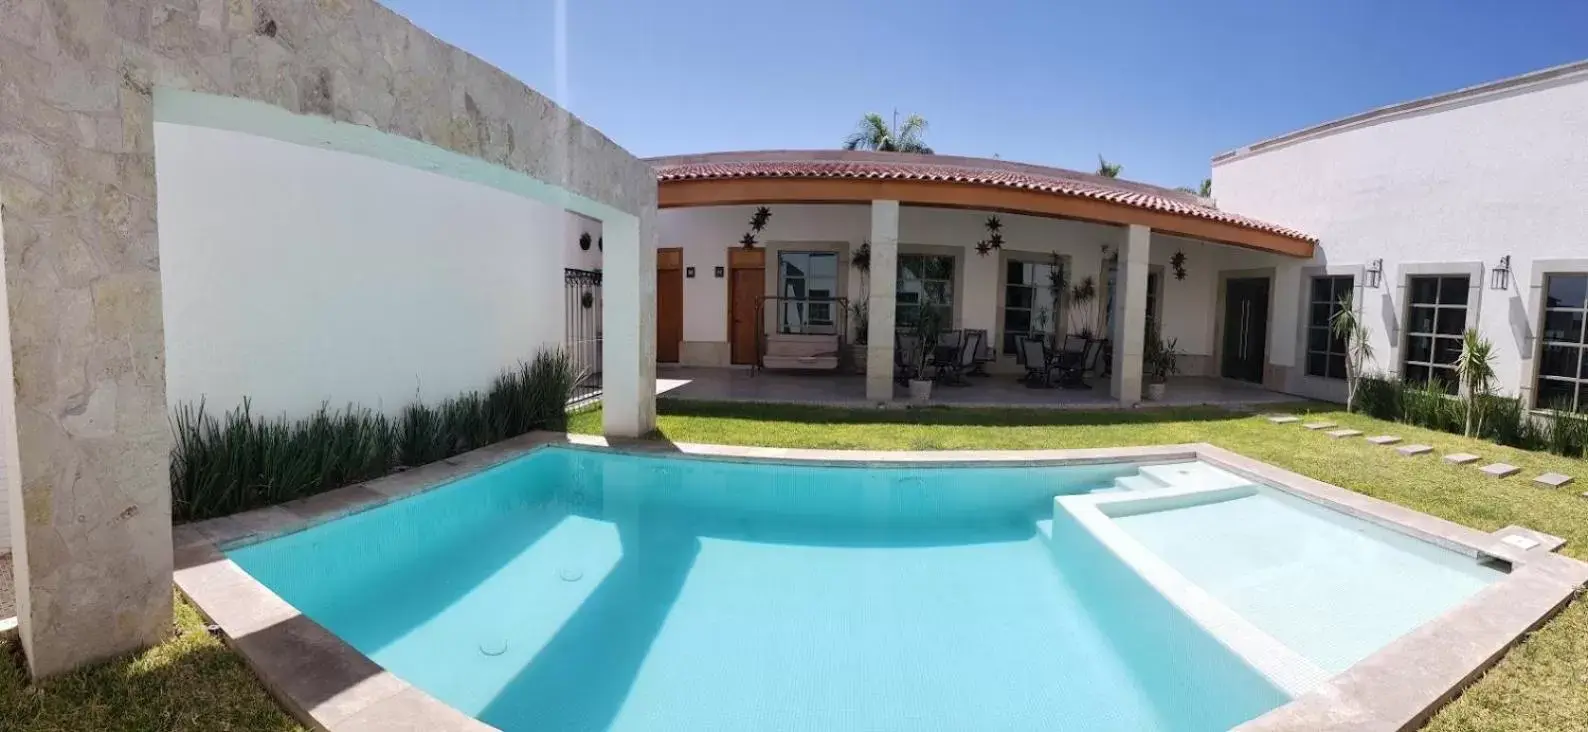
<point x="493" y="647"/>
<point x="570" y="574"/>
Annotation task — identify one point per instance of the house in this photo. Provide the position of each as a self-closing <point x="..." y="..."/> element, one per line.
<point x="1462" y="210"/>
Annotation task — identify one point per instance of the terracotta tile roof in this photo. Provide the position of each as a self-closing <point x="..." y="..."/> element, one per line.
<point x="949" y="169"/>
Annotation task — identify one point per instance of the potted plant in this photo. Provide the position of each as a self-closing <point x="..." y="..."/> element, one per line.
<point x="928" y="326"/>
<point x="1160" y="359"/>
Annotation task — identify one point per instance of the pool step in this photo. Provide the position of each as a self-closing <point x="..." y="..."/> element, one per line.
<point x="1193" y="475"/>
<point x="1136" y="482"/>
<point x="1045" y="529"/>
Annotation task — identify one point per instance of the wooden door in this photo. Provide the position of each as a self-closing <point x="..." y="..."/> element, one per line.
<point x="669" y="304"/>
<point x="746" y="285"/>
<point x="1245" y="347"/>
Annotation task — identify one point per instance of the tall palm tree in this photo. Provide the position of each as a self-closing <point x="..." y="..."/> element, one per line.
<point x="874" y="133"/>
<point x="1205" y="191"/>
<point x="1107" y="169"/>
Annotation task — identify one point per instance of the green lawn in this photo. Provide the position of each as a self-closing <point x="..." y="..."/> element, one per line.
<point x="191" y="683"/>
<point x="194" y="683"/>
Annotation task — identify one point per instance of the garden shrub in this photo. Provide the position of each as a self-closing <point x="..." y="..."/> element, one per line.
<point x="1504" y="420"/>
<point x="240" y="461"/>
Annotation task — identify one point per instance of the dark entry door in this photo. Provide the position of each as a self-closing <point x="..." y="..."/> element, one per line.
<point x="1245" y="328"/>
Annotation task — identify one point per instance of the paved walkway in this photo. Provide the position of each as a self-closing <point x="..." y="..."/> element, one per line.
<point x="739" y="385"/>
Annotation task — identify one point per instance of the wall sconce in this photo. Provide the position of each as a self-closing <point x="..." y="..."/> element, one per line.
<point x="1375" y="273"/>
<point x="689" y="273"/>
<point x="1500" y="276"/>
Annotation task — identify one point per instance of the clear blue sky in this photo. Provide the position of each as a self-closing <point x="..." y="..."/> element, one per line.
<point x="1157" y="85"/>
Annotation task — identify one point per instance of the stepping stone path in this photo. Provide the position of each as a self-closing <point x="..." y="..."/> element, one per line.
<point x="1500" y="470"/>
<point x="1414" y="450"/>
<point x="1553" y="480"/>
<point x="1384" y="440"/>
<point x="1284" y="419"/>
<point x="1337" y="434"/>
<point x="1318" y="425"/>
<point x="1461" y="458"/>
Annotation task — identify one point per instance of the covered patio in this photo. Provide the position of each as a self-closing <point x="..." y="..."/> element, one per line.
<point x="844" y="252"/>
<point x="1001" y="390"/>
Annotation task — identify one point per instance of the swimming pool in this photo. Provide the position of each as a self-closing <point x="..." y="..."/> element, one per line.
<point x="578" y="590"/>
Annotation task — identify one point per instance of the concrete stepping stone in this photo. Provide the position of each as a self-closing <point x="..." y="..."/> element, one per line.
<point x="1553" y="480"/>
<point x="1284" y="418"/>
<point x="1384" y="439"/>
<point x="1318" y="425"/>
<point x="1414" y="450"/>
<point x="1461" y="458"/>
<point x="1337" y="434"/>
<point x="1500" y="470"/>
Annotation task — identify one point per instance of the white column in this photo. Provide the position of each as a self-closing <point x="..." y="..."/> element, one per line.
<point x="628" y="320"/>
<point x="884" y="280"/>
<point x="1130" y="315"/>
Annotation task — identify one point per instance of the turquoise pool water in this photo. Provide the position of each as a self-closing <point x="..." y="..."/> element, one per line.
<point x="581" y="590"/>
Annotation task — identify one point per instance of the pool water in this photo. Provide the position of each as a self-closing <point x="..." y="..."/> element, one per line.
<point x="585" y="590"/>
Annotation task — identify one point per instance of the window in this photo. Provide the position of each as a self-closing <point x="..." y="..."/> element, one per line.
<point x="1436" y="314"/>
<point x="1154" y="297"/>
<point x="1562" y="368"/>
<point x="808" y="281"/>
<point x="1326" y="351"/>
<point x="924" y="278"/>
<point x="1028" y="302"/>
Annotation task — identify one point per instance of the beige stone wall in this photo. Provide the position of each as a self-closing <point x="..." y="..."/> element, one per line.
<point x="90" y="494"/>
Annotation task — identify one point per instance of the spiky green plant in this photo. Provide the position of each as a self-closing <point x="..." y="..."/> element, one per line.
<point x="1346" y="323"/>
<point x="1475" y="370"/>
<point x="240" y="461"/>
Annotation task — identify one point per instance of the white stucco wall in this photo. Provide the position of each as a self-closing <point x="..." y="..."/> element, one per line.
<point x="1447" y="188"/>
<point x="706" y="234"/>
<point x="294" y="275"/>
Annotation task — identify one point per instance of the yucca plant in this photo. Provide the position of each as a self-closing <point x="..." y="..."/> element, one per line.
<point x="1347" y="325"/>
<point x="239" y="461"/>
<point x="1475" y="370"/>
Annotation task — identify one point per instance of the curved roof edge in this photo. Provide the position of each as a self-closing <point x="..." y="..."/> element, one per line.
<point x="1553" y="76"/>
<point x="839" y="176"/>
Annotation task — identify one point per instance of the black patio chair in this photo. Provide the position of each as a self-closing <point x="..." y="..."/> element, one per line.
<point x="1039" y="368"/>
<point x="904" y="357"/>
<point x="1072" y="365"/>
<point x="984" y="355"/>
<point x="952" y="371"/>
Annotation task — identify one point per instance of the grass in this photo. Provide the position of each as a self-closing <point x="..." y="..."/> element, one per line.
<point x="1537" y="687"/>
<point x="192" y="682"/>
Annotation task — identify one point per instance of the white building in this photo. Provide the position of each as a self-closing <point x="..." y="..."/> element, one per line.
<point x="1482" y="190"/>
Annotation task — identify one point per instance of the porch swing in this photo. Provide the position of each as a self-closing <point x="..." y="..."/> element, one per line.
<point x="812" y="343"/>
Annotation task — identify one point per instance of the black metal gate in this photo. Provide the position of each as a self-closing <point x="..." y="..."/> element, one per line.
<point x="582" y="300"/>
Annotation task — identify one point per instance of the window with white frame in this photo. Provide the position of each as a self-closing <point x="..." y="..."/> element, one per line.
<point x="1029" y="301"/>
<point x="1325" y="350"/>
<point x="1436" y="315"/>
<point x="807" y="282"/>
<point x="1562" y="381"/>
<point x="924" y="278"/>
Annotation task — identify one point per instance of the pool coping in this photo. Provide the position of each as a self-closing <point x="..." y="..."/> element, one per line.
<point x="328" y="685"/>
